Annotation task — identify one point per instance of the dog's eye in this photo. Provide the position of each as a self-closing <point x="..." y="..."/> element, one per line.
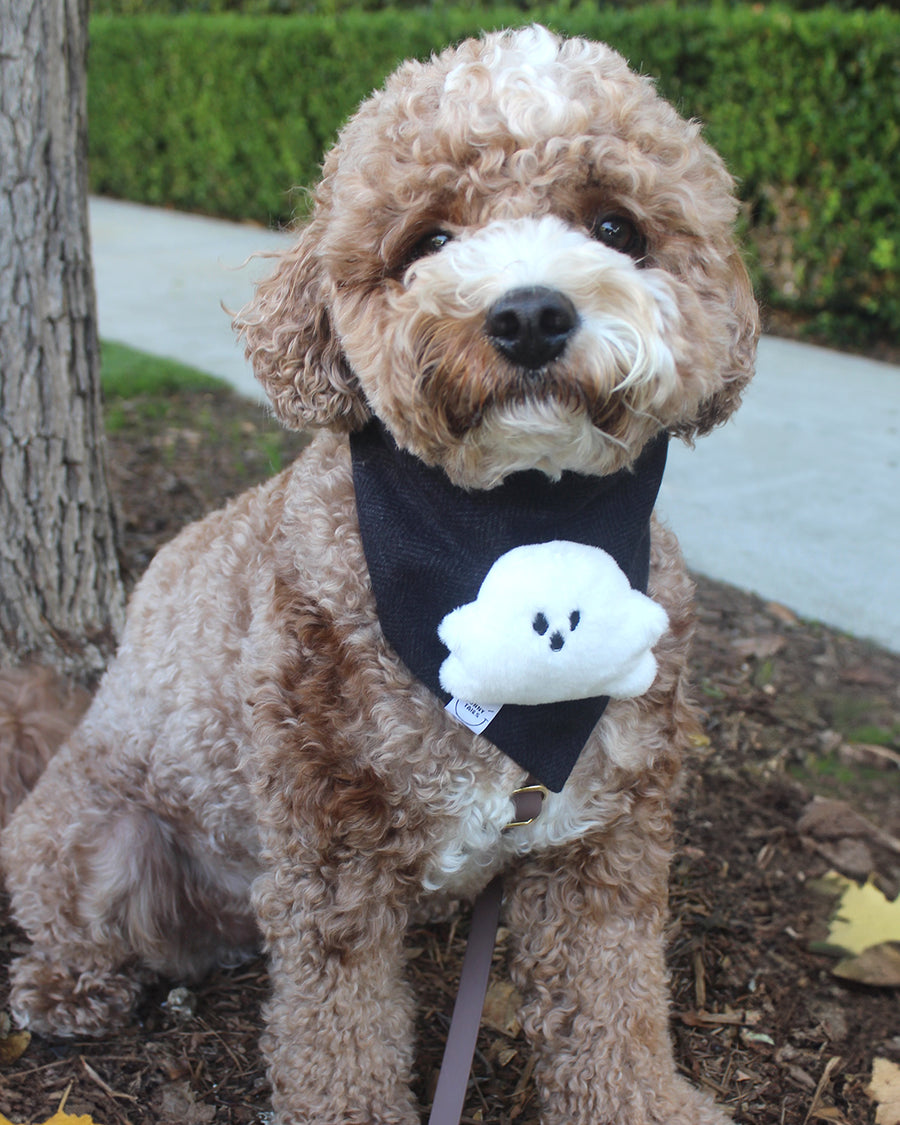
<point x="620" y="234"/>
<point x="432" y="242"/>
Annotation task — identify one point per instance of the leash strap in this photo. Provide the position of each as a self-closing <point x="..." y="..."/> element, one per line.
<point x="446" y="1109"/>
<point x="453" y="1079"/>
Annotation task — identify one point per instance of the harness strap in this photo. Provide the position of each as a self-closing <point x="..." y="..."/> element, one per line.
<point x="453" y="1079"/>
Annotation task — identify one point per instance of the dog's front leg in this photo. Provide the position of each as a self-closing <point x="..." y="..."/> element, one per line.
<point x="587" y="924"/>
<point x="340" y="1019"/>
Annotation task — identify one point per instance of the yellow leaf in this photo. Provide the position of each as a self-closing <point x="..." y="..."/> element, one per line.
<point x="863" y="917"/>
<point x="884" y="1090"/>
<point x="59" y="1118"/>
<point x="13" y="1046"/>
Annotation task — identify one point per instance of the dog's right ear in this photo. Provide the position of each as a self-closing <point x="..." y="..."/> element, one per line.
<point x="291" y="344"/>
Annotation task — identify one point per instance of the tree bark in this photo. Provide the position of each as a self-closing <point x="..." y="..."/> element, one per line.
<point x="61" y="597"/>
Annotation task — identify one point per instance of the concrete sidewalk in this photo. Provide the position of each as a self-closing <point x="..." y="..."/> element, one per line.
<point x="796" y="499"/>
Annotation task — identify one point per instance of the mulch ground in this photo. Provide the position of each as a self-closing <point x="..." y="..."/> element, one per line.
<point x="793" y="711"/>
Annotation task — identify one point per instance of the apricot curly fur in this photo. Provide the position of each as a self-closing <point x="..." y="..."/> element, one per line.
<point x="258" y="763"/>
<point x="38" y="711"/>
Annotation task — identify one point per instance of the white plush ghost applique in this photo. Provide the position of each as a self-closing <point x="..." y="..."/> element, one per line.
<point x="552" y="621"/>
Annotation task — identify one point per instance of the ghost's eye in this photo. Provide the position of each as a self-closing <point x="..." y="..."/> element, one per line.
<point x="540" y="624"/>
<point x="574" y="618"/>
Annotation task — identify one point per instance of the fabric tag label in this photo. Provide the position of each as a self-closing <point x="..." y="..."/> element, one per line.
<point x="471" y="715"/>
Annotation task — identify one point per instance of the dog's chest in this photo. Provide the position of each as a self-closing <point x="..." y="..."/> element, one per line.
<point x="481" y="837"/>
<point x="464" y="784"/>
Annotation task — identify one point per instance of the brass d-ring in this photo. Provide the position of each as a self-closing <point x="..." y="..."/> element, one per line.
<point x="527" y="808"/>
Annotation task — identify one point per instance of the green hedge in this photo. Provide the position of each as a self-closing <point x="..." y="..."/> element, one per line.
<point x="335" y="7"/>
<point x="227" y="114"/>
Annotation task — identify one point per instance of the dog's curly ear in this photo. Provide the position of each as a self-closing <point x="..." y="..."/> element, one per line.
<point x="742" y="317"/>
<point x="291" y="343"/>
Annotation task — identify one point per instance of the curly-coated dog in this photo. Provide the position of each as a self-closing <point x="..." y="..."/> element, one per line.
<point x="518" y="277"/>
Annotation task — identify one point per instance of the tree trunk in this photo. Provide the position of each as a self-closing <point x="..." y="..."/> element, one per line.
<point x="61" y="598"/>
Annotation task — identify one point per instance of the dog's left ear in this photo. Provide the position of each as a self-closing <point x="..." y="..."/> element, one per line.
<point x="742" y="317"/>
<point x="291" y="343"/>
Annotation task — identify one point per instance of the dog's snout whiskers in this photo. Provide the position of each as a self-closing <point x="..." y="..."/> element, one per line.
<point x="531" y="326"/>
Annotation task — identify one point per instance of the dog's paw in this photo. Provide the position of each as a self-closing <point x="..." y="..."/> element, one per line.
<point x="51" y="998"/>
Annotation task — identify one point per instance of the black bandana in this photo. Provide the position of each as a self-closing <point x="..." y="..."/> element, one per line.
<point x="429" y="544"/>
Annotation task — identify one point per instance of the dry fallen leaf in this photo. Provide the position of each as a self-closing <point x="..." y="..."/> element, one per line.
<point x="828" y="1113"/>
<point x="851" y="857"/>
<point x="760" y="647"/>
<point x="175" y="1104"/>
<point x="868" y="754"/>
<point x="879" y="966"/>
<point x="714" y="1019"/>
<point x="501" y="1008"/>
<point x="884" y="1090"/>
<point x="829" y="819"/>
<point x="820" y="1110"/>
<point x="506" y="1056"/>
<point x="782" y="613"/>
<point x="863" y="917"/>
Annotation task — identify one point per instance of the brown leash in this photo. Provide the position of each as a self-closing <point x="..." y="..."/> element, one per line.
<point x="450" y="1093"/>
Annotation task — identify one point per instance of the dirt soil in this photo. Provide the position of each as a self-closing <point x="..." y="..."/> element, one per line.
<point x="792" y="710"/>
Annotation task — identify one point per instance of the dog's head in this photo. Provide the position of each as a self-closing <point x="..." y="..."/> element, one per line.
<point x="519" y="256"/>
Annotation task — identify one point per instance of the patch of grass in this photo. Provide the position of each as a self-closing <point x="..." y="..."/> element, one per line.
<point x="864" y="720"/>
<point x="711" y="690"/>
<point x="271" y="447"/>
<point x="828" y="776"/>
<point x="161" y="413"/>
<point x="828" y="767"/>
<point x="149" y="392"/>
<point x="126" y="373"/>
<point x="875" y="735"/>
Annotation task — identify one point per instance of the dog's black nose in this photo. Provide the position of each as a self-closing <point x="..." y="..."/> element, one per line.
<point x="531" y="326"/>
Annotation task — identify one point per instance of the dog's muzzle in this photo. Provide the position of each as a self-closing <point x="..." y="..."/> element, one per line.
<point x="531" y="326"/>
